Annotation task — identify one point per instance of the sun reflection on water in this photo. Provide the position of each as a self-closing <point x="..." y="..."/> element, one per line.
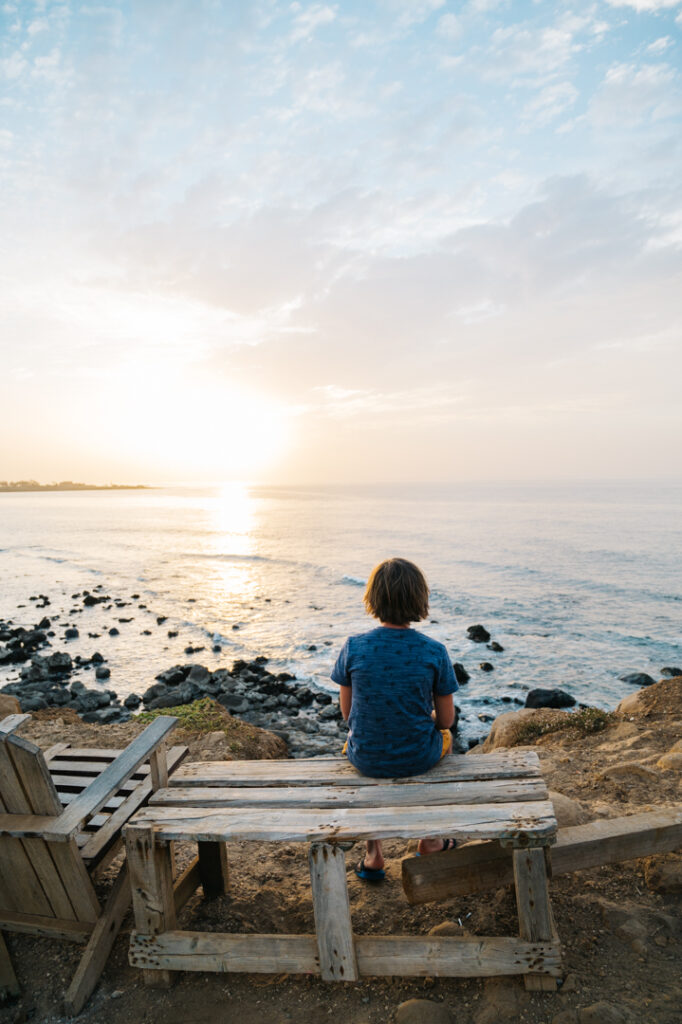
<point x="233" y="540"/>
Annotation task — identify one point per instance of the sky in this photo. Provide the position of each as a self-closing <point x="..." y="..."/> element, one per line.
<point x="377" y="241"/>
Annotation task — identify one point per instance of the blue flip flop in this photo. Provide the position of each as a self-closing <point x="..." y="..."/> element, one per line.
<point x="369" y="874"/>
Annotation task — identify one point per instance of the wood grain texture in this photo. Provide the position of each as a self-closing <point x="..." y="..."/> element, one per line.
<point x="533" y="907"/>
<point x="493" y="791"/>
<point x="480" y="867"/>
<point x="215" y="951"/>
<point x="330" y="771"/>
<point x="99" y="945"/>
<point x="462" y="821"/>
<point x="421" y="956"/>
<point x="9" y="986"/>
<point x="49" y="927"/>
<point x="332" y="913"/>
<point x="151" y="882"/>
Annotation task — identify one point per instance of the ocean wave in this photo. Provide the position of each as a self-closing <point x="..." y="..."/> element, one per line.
<point x="353" y="580"/>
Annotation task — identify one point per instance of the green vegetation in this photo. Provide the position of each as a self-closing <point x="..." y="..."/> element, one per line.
<point x="584" y="722"/>
<point x="200" y="716"/>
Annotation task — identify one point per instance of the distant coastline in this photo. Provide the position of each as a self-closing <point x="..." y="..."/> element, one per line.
<point x="65" y="485"/>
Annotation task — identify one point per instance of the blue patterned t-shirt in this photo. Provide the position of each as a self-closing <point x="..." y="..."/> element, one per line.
<point x="394" y="674"/>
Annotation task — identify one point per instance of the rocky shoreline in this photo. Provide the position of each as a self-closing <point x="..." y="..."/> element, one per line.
<point x="305" y="716"/>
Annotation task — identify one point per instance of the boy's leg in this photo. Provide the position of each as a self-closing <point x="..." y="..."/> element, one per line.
<point x="374" y="857"/>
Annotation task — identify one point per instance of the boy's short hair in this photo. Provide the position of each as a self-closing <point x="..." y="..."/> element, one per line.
<point x="397" y="592"/>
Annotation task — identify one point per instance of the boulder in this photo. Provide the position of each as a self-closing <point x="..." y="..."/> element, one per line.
<point x="506" y="727"/>
<point x="132" y="701"/>
<point x="567" y="812"/>
<point x="671" y="761"/>
<point x="663" y="873"/>
<point x="71" y="633"/>
<point x="461" y="674"/>
<point x="494" y="646"/>
<point x="671" y="671"/>
<point x="423" y="1011"/>
<point x="198" y="675"/>
<point x="9" y="705"/>
<point x="486" y="666"/>
<point x="540" y="698"/>
<point x="479" y="634"/>
<point x="102" y="672"/>
<point x="58" y="662"/>
<point x="637" y="679"/>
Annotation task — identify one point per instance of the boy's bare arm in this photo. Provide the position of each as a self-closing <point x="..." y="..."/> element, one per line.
<point x="345" y="700"/>
<point x="445" y="711"/>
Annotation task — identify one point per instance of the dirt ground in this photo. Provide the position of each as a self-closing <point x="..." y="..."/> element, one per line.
<point x="620" y="925"/>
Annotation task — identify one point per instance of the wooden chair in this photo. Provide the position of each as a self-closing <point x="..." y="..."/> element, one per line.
<point x="61" y="815"/>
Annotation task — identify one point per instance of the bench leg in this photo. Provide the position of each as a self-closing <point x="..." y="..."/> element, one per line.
<point x="213" y="869"/>
<point x="99" y="945"/>
<point x="151" y="882"/>
<point x="535" y="913"/>
<point x="332" y="913"/>
<point x="9" y="986"/>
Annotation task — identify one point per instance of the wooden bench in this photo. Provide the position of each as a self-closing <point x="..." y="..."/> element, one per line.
<point x="325" y="802"/>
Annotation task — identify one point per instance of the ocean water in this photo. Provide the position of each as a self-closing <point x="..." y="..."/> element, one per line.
<point x="579" y="584"/>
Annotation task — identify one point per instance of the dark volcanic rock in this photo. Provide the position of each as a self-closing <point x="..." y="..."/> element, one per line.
<point x="479" y="634"/>
<point x="549" y="699"/>
<point x="102" y="672"/>
<point x="637" y="679"/>
<point x="494" y="646"/>
<point x="58" y="662"/>
<point x="71" y="633"/>
<point x="486" y="666"/>
<point x="671" y="671"/>
<point x="461" y="674"/>
<point x="114" y="631"/>
<point x="97" y="658"/>
<point x="132" y="701"/>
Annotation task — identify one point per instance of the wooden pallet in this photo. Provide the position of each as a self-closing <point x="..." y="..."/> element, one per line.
<point x="325" y="802"/>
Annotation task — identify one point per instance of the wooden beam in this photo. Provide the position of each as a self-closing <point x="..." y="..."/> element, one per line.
<point x="493" y="791"/>
<point x="9" y="986"/>
<point x="534" y="909"/>
<point x="332" y="913"/>
<point x="331" y="771"/>
<point x="32" y="924"/>
<point x="480" y="867"/>
<point x="422" y="956"/>
<point x="151" y="882"/>
<point x="99" y="945"/>
<point x="186" y="885"/>
<point x="215" y="951"/>
<point x="213" y="869"/>
<point x="519" y="821"/>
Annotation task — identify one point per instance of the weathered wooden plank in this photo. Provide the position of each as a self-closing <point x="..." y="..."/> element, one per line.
<point x="73" y="768"/>
<point x="9" y="986"/>
<point x="534" y="909"/>
<point x="108" y="831"/>
<point x="214" y="951"/>
<point x="151" y="882"/>
<point x="37" y="826"/>
<point x="423" y="794"/>
<point x="480" y="867"/>
<point x="420" y="956"/>
<point x="454" y="957"/>
<point x="115" y="774"/>
<point x="158" y="767"/>
<point x="329" y="771"/>
<point x="213" y="869"/>
<point x="76" y="879"/>
<point x="186" y="885"/>
<point x="49" y="927"/>
<point x="519" y="821"/>
<point x="332" y="913"/>
<point x="39" y="797"/>
<point x="12" y="722"/>
<point x="99" y="945"/>
<point x="55" y="750"/>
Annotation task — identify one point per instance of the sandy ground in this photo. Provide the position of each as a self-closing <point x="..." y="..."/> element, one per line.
<point x="620" y="925"/>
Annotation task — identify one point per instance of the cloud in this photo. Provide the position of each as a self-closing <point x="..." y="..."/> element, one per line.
<point x="631" y="93"/>
<point x="646" y="6"/>
<point x="449" y="27"/>
<point x="308" y="20"/>
<point x="660" y="45"/>
<point x="550" y="103"/>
